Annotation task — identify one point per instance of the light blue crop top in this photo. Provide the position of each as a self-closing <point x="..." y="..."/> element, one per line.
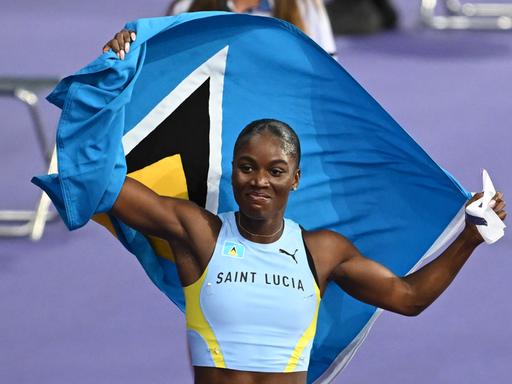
<point x="255" y="306"/>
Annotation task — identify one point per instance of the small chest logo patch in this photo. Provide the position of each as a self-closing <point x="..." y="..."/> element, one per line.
<point x="233" y="249"/>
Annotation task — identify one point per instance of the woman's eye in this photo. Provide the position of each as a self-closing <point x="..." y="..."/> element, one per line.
<point x="276" y="172"/>
<point x="246" y="168"/>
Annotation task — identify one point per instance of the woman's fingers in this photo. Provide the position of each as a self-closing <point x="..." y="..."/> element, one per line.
<point x="124" y="39"/>
<point x="121" y="43"/>
<point x="475" y="197"/>
<point x="116" y="48"/>
<point x="498" y="204"/>
<point x="498" y="196"/>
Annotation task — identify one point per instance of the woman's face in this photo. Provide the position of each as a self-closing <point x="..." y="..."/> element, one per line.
<point x="263" y="175"/>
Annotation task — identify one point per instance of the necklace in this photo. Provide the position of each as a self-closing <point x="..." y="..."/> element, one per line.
<point x="256" y="234"/>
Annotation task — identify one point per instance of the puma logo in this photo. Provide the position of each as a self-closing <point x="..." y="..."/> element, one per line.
<point x="292" y="255"/>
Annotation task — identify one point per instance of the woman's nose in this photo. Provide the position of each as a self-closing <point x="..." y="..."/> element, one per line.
<point x="260" y="179"/>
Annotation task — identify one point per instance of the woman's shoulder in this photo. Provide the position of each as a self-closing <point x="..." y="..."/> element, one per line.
<point x="328" y="249"/>
<point x="327" y="243"/>
<point x="323" y="235"/>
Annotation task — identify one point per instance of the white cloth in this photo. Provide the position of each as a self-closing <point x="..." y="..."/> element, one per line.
<point x="181" y="6"/>
<point x="492" y="228"/>
<point x="317" y="24"/>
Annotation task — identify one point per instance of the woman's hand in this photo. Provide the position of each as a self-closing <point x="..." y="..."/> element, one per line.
<point x="497" y="204"/>
<point x="120" y="44"/>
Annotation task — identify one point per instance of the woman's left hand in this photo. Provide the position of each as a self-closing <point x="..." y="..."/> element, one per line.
<point x="497" y="204"/>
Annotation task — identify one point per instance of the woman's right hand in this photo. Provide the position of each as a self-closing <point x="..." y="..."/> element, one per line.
<point x="120" y="44"/>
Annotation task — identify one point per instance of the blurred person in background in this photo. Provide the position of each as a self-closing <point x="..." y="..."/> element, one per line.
<point x="358" y="17"/>
<point x="308" y="15"/>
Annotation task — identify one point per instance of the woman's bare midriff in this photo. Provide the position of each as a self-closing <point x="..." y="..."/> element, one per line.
<point x="209" y="375"/>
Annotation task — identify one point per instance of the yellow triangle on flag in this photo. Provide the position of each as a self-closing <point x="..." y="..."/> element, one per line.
<point x="232" y="252"/>
<point x="167" y="178"/>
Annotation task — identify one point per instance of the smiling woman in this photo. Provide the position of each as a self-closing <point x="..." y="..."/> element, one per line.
<point x="254" y="260"/>
<point x="237" y="281"/>
<point x="265" y="169"/>
<point x="252" y="279"/>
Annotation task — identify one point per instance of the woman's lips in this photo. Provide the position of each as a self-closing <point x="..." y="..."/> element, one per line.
<point x="258" y="197"/>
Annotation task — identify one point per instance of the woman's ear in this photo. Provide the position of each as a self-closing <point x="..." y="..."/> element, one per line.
<point x="296" y="178"/>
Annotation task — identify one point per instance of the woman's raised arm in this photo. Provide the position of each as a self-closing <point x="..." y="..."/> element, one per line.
<point x="371" y="282"/>
<point x="165" y="217"/>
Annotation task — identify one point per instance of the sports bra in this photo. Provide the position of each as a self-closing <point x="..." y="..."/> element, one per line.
<point x="255" y="306"/>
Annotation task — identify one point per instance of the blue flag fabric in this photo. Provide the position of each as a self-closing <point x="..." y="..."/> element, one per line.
<point x="188" y="86"/>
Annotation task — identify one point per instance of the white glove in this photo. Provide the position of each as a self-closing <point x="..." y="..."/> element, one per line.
<point x="488" y="223"/>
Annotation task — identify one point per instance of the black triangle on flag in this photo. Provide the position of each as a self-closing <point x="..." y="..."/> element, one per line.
<point x="185" y="124"/>
<point x="173" y="136"/>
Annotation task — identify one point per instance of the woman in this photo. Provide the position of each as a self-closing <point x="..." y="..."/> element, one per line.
<point x="278" y="272"/>
<point x="253" y="280"/>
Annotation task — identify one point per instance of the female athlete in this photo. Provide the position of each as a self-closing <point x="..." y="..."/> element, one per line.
<point x="253" y="280"/>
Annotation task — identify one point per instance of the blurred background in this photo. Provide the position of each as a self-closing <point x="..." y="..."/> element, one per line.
<point x="77" y="308"/>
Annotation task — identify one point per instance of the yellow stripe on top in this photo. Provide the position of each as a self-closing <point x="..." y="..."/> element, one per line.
<point x="306" y="338"/>
<point x="198" y="323"/>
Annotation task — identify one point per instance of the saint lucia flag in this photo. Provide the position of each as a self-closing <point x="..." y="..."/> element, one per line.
<point x="170" y="113"/>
